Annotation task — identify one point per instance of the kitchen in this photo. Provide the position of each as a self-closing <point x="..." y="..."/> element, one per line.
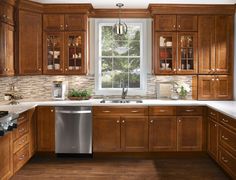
<point x="136" y="91"/>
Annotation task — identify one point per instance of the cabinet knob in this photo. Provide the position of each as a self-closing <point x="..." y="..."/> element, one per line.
<point x="213" y="70"/>
<point x="179" y="26"/>
<point x="179" y="120"/>
<point x="61" y="69"/>
<point x="151" y="121"/>
<point x="213" y="79"/>
<point x="217" y="79"/>
<point x="174" y="69"/>
<point x="4" y="16"/>
<point x="224" y="160"/>
<point x="66" y="25"/>
<point x="118" y="121"/>
<point x="123" y="121"/>
<point x="174" y="26"/>
<point x="225" y="120"/>
<point x="215" y="125"/>
<point x="66" y="69"/>
<point x="52" y="110"/>
<point x="225" y="138"/>
<point x="39" y="69"/>
<point x="6" y="69"/>
<point x="179" y="69"/>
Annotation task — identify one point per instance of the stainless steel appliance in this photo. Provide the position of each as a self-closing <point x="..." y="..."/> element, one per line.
<point x="8" y="121"/>
<point x="73" y="130"/>
<point x="58" y="90"/>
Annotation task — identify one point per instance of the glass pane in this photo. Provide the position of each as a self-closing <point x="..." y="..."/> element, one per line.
<point x="120" y="64"/>
<point x="107" y="80"/>
<point x="187" y="56"/>
<point x="134" y="32"/>
<point x="134" y="80"/>
<point x="134" y="65"/>
<point x="134" y="48"/>
<point x="54" y="51"/>
<point x="165" y="52"/>
<point x="106" y="65"/>
<point x="118" y="78"/>
<point x="120" y="48"/>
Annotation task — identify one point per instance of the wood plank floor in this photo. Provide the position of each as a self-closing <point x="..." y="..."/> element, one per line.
<point x="198" y="168"/>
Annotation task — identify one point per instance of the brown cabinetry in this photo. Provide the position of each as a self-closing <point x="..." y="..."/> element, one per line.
<point x="6" y="152"/>
<point x="214" y="87"/>
<point x="45" y="129"/>
<point x="30" y="43"/>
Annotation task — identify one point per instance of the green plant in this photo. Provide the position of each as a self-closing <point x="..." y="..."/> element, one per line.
<point x="79" y="93"/>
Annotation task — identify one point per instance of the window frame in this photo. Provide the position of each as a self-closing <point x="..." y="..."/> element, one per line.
<point x="143" y="58"/>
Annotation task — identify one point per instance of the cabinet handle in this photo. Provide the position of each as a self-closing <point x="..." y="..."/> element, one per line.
<point x="189" y="110"/>
<point x="6" y="69"/>
<point x="118" y="121"/>
<point x="106" y="111"/>
<point x="225" y="138"/>
<point x="123" y="121"/>
<point x="20" y="118"/>
<point x="213" y="114"/>
<point x="21" y="142"/>
<point x="151" y="121"/>
<point x="134" y="111"/>
<point x="225" y="120"/>
<point x="21" y="157"/>
<point x="224" y="160"/>
<point x="21" y="130"/>
<point x="162" y="110"/>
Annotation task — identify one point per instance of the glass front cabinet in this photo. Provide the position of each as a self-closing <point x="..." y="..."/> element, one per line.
<point x="65" y="53"/>
<point x="175" y="53"/>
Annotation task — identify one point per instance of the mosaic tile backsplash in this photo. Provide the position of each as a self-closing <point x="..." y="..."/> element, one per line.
<point x="40" y="87"/>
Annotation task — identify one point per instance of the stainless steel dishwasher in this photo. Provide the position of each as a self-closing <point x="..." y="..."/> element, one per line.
<point x="73" y="130"/>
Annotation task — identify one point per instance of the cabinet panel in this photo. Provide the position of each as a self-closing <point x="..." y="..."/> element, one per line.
<point x="223" y="87"/>
<point x="162" y="133"/>
<point x="53" y="22"/>
<point x="189" y="133"/>
<point x="134" y="133"/>
<point x="186" y="23"/>
<point x="206" y="89"/>
<point x="6" y="151"/>
<point x="30" y="43"/>
<point x="21" y="157"/>
<point x="106" y="134"/>
<point x="6" y="13"/>
<point x="75" y="22"/>
<point x="162" y="110"/>
<point x="165" y="23"/>
<point x="46" y="129"/>
<point x="206" y="44"/>
<point x="212" y="146"/>
<point x="32" y="132"/>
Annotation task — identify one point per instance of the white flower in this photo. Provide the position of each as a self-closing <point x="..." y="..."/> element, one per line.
<point x="178" y="90"/>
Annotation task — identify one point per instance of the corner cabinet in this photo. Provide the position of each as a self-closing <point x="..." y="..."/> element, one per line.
<point x="65" y="47"/>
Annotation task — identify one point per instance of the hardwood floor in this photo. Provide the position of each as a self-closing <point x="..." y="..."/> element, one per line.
<point x="199" y="168"/>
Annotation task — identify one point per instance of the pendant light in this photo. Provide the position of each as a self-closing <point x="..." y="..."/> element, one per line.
<point x="120" y="28"/>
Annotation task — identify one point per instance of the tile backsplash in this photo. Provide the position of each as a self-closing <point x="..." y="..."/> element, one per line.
<point x="40" y="87"/>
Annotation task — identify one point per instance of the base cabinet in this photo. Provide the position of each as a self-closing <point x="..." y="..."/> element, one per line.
<point x="212" y="137"/>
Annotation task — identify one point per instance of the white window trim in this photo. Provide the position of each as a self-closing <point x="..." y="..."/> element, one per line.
<point x="143" y="59"/>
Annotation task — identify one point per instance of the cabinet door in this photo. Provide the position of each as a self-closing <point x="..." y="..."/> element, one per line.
<point x="32" y="132"/>
<point x="53" y="53"/>
<point x="75" y="45"/>
<point x="224" y="44"/>
<point x="206" y="87"/>
<point x="162" y="133"/>
<point x="187" y="53"/>
<point x="6" y="13"/>
<point x="165" y="53"/>
<point x="223" y="87"/>
<point x="134" y="133"/>
<point x="75" y="22"/>
<point x="30" y="43"/>
<point x="189" y="133"/>
<point x="212" y="133"/>
<point x="106" y="134"/>
<point x="6" y="152"/>
<point x="206" y="44"/>
<point x="165" y="23"/>
<point x="53" y="22"/>
<point x="186" y="23"/>
<point x="46" y="129"/>
<point x="6" y="49"/>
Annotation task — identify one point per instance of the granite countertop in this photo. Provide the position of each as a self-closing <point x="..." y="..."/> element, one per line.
<point x="225" y="107"/>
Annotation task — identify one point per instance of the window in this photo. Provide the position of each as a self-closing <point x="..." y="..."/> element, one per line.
<point x="119" y="59"/>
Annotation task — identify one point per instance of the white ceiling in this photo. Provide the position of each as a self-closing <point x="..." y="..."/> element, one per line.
<point x="136" y="3"/>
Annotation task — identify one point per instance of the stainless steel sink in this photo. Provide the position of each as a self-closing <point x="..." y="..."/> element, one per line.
<point x="121" y="101"/>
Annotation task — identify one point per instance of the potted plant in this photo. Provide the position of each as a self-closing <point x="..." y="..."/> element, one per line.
<point x="79" y="94"/>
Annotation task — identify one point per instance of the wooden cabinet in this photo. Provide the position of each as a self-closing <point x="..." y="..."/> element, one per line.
<point x="45" y="129"/>
<point x="30" y="43"/>
<point x="106" y="134"/>
<point x="117" y="129"/>
<point x="189" y="133"/>
<point x="162" y="133"/>
<point x="212" y="138"/>
<point x="75" y="22"/>
<point x="215" y="44"/>
<point x="6" y="49"/>
<point x="6" y="151"/>
<point x="32" y="132"/>
<point x="53" y="22"/>
<point x="217" y="87"/>
<point x="7" y="12"/>
<point x="134" y="133"/>
<point x="175" y="23"/>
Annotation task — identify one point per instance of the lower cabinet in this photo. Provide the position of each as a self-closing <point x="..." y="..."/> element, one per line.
<point x="6" y="152"/>
<point x="162" y="133"/>
<point x="46" y="129"/>
<point x="189" y="133"/>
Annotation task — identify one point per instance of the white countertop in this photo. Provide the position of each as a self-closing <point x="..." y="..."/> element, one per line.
<point x="225" y="107"/>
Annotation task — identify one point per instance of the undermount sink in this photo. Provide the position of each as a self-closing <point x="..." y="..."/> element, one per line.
<point x="120" y="101"/>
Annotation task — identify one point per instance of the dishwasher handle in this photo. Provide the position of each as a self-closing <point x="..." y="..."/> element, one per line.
<point x="74" y="112"/>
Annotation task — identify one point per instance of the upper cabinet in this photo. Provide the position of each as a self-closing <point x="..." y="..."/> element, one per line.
<point x="6" y="13"/>
<point x="30" y="43"/>
<point x="65" y="38"/>
<point x="175" y="23"/>
<point x="215" y="44"/>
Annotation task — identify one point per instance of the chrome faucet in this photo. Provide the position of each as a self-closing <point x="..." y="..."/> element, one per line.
<point x="124" y="91"/>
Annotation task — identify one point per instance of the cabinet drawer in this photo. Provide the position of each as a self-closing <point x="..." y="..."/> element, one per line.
<point x="21" y="157"/>
<point x="105" y="110"/>
<point x="19" y="143"/>
<point x="227" y="139"/>
<point x="22" y="117"/>
<point x="21" y="130"/>
<point x="228" y="161"/>
<point x="189" y="110"/>
<point x="212" y="113"/>
<point x="162" y="111"/>
<point x="227" y="121"/>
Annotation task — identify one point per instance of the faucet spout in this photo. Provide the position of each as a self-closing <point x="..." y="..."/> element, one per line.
<point x="124" y="91"/>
